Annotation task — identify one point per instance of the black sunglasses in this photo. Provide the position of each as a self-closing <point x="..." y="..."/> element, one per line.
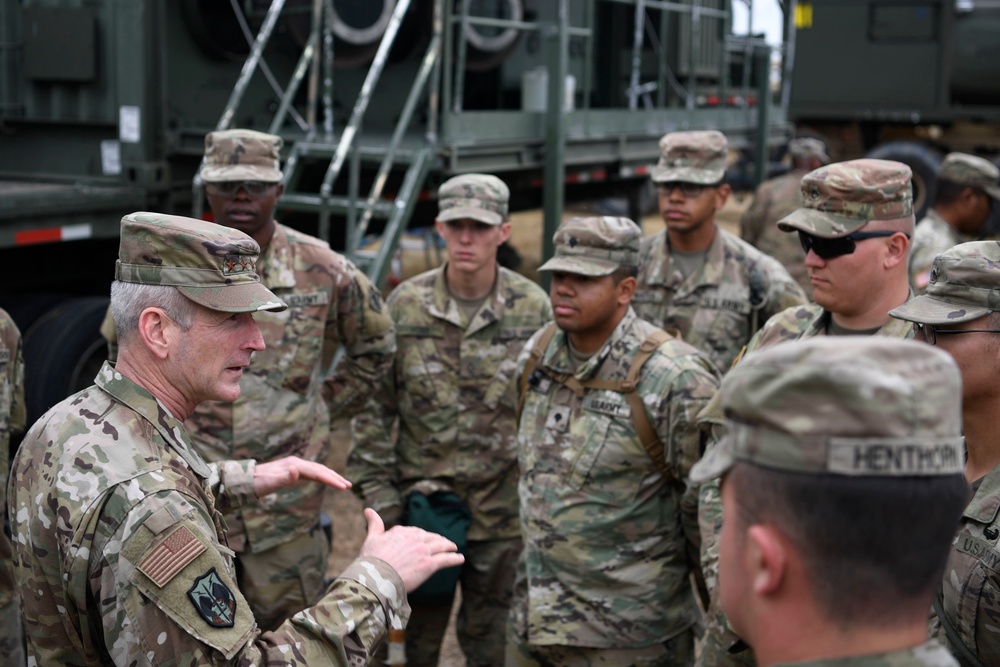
<point x="845" y="245"/>
<point x="690" y="190"/>
<point x="253" y="188"/>
<point x="930" y="333"/>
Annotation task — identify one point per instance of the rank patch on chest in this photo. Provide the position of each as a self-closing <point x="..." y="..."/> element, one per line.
<point x="606" y="406"/>
<point x="171" y="556"/>
<point x="213" y="600"/>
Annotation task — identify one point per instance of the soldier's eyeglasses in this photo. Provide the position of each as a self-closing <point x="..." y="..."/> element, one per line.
<point x="691" y="190"/>
<point x="253" y="188"/>
<point x="930" y="334"/>
<point x="845" y="245"/>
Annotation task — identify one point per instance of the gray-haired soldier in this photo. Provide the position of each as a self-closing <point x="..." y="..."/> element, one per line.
<point x="842" y="487"/>
<point x="121" y="552"/>
<point x="960" y="313"/>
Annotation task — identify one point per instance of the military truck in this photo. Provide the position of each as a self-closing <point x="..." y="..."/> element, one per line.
<point x="104" y="105"/>
<point x="906" y="80"/>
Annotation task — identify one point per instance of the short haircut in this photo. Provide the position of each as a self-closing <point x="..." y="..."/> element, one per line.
<point x="949" y="191"/>
<point x="623" y="272"/>
<point x="870" y="545"/>
<point x="128" y="300"/>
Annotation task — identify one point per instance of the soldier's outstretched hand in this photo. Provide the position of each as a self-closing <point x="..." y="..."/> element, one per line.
<point x="274" y="475"/>
<point x="414" y="553"/>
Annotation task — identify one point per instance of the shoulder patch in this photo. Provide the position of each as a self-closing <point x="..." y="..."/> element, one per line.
<point x="171" y="556"/>
<point x="213" y="600"/>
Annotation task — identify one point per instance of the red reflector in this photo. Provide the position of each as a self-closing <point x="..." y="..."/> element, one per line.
<point x="30" y="236"/>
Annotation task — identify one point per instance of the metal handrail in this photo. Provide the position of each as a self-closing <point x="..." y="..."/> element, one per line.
<point x="350" y="132"/>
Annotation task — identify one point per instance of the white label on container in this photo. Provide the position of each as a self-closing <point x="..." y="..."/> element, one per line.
<point x="111" y="157"/>
<point x="128" y="125"/>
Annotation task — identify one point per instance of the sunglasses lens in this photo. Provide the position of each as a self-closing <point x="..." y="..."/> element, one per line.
<point x="826" y="248"/>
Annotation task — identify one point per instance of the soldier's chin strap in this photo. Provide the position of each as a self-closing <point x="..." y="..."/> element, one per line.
<point x="966" y="657"/>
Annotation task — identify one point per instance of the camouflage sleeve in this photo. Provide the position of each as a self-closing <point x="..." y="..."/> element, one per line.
<point x="18" y="412"/>
<point x="719" y="637"/>
<point x="372" y="462"/>
<point x="781" y="291"/>
<point x="363" y="327"/>
<point x="754" y="219"/>
<point x="167" y="596"/>
<point x="232" y="483"/>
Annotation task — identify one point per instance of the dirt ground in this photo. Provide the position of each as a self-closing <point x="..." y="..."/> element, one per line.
<point x="343" y="507"/>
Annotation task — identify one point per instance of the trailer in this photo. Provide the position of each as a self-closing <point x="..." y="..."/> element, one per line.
<point x="104" y="105"/>
<point x="906" y="80"/>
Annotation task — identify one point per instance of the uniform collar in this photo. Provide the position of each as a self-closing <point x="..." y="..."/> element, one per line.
<point x="127" y="392"/>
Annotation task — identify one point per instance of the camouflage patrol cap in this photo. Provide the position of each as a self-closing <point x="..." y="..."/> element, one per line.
<point x="803" y="147"/>
<point x="692" y="157"/>
<point x="843" y="197"/>
<point x="241" y="155"/>
<point x="595" y="246"/>
<point x="481" y="197"/>
<point x="964" y="286"/>
<point x="854" y="406"/>
<point x="212" y="265"/>
<point x="972" y="171"/>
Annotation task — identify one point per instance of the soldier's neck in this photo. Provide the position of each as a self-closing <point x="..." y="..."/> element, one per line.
<point x="471" y="286"/>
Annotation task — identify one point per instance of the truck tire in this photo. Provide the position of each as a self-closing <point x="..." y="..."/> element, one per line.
<point x="923" y="160"/>
<point x="63" y="350"/>
<point x="487" y="47"/>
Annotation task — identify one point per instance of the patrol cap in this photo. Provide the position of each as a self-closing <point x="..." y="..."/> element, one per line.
<point x="840" y="198"/>
<point x="241" y="155"/>
<point x="971" y="170"/>
<point x="595" y="246"/>
<point x="803" y="147"/>
<point x="212" y="265"/>
<point x="481" y="197"/>
<point x="964" y="285"/>
<point x="692" y="157"/>
<point x="853" y="406"/>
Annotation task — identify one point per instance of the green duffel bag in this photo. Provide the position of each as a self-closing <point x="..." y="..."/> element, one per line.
<point x="444" y="514"/>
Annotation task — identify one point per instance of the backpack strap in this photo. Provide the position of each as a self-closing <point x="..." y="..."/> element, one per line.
<point x="628" y="387"/>
<point x="531" y="364"/>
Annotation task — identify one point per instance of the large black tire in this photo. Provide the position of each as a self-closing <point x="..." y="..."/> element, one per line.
<point x="63" y="350"/>
<point x="923" y="160"/>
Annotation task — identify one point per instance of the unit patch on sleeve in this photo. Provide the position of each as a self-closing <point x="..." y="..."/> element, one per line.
<point x="171" y="556"/>
<point x="213" y="600"/>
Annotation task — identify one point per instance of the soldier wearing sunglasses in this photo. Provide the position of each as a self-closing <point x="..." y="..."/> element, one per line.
<point x="698" y="280"/>
<point x="960" y="313"/>
<point x="855" y="227"/>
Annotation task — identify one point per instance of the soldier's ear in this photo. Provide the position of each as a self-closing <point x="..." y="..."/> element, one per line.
<point x="722" y="195"/>
<point x="767" y="555"/>
<point x="154" y="331"/>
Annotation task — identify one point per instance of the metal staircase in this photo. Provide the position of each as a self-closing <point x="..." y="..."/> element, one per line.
<point x="320" y="143"/>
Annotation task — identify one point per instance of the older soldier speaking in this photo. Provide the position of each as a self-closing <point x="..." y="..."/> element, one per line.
<point x="121" y="552"/>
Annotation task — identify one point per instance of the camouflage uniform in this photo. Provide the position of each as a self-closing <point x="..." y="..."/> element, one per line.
<point x="12" y="418"/>
<point x="599" y="520"/>
<point x="121" y="551"/>
<point x="912" y="431"/>
<point x="965" y="286"/>
<point x="933" y="234"/>
<point x="928" y="654"/>
<point x="720" y="306"/>
<point x="773" y="200"/>
<point x="452" y="394"/>
<point x="289" y="395"/>
<point x="799" y="322"/>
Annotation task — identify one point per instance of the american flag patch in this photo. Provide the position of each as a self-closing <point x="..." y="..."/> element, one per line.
<point x="166" y="560"/>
